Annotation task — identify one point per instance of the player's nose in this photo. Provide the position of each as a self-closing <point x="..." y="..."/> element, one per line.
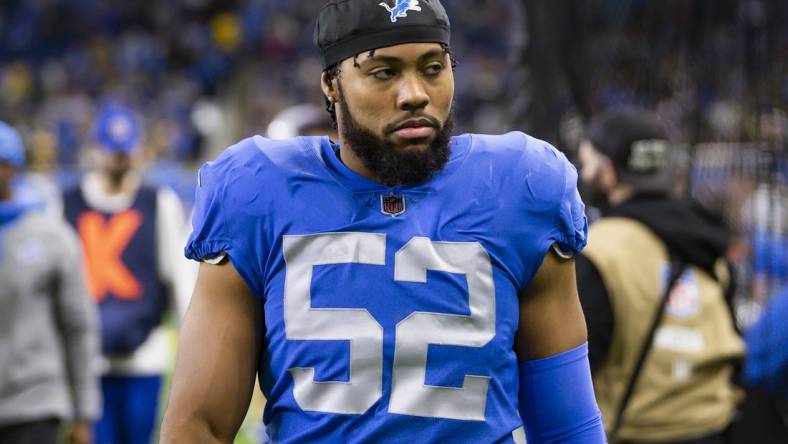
<point x="412" y="94"/>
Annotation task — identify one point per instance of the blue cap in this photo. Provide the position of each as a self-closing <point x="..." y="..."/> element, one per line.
<point x="117" y="130"/>
<point x="11" y="149"/>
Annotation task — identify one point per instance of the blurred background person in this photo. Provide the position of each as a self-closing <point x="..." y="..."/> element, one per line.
<point x="767" y="356"/>
<point x="301" y="120"/>
<point x="131" y="235"/>
<point x="48" y="331"/>
<point x="647" y="244"/>
<point x="766" y="374"/>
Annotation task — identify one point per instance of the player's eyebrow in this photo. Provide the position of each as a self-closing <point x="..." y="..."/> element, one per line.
<point x="432" y="53"/>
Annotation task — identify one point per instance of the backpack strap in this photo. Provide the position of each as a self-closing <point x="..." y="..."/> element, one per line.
<point x="677" y="269"/>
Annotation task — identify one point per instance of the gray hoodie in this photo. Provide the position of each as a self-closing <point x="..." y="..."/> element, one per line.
<point x="48" y="331"/>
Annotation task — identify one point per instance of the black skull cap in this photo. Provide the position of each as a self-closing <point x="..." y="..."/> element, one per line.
<point x="346" y="28"/>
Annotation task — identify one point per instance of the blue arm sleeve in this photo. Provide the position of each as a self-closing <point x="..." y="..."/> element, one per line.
<point x="557" y="400"/>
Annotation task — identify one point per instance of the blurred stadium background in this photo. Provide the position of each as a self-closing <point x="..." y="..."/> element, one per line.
<point x="202" y="74"/>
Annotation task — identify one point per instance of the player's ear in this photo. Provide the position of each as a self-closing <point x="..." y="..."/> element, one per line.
<point x="329" y="87"/>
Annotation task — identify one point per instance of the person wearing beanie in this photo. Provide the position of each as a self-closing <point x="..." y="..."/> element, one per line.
<point x="48" y="331"/>
<point x="655" y="290"/>
<point x="130" y="232"/>
<point x="399" y="284"/>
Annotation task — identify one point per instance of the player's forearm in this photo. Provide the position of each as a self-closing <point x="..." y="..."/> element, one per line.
<point x="216" y="363"/>
<point x="203" y="409"/>
<point x="184" y="429"/>
<point x="210" y="392"/>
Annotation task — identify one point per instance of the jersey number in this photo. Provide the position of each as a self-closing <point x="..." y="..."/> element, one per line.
<point x="410" y="395"/>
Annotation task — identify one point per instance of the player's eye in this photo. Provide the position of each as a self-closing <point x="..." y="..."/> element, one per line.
<point x="383" y="74"/>
<point x="433" y="69"/>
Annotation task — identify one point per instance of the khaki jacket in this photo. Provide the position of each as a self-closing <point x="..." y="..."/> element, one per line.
<point x="685" y="387"/>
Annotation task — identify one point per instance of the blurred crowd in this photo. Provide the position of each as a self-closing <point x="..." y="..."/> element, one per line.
<point x="203" y="73"/>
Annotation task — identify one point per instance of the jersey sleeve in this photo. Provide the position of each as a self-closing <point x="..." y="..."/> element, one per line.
<point x="553" y="199"/>
<point x="570" y="233"/>
<point x="218" y="228"/>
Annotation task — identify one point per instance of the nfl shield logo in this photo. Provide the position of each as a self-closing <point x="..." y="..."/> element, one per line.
<point x="392" y="205"/>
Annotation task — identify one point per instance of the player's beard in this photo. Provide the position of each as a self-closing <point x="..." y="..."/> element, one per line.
<point x="391" y="164"/>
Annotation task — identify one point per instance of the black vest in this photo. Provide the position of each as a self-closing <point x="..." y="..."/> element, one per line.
<point x="121" y="261"/>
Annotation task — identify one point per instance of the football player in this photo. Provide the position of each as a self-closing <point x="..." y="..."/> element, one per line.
<point x="402" y="285"/>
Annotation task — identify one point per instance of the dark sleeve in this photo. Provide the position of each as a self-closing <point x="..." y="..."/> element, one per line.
<point x="597" y="310"/>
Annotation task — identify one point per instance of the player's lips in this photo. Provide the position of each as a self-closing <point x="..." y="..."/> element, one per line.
<point x="417" y="132"/>
<point x="415" y="129"/>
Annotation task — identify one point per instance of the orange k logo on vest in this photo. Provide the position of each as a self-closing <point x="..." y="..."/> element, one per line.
<point x="104" y="242"/>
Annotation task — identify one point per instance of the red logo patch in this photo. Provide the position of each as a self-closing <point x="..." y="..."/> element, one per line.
<point x="392" y="205"/>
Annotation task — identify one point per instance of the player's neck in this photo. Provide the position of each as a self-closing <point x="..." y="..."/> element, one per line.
<point x="113" y="185"/>
<point x="351" y="160"/>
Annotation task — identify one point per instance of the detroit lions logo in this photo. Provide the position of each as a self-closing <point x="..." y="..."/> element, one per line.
<point x="401" y="8"/>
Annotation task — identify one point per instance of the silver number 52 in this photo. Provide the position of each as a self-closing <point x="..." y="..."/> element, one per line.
<point x="410" y="395"/>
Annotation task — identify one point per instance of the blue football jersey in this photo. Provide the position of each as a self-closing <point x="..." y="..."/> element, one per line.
<point x="390" y="312"/>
